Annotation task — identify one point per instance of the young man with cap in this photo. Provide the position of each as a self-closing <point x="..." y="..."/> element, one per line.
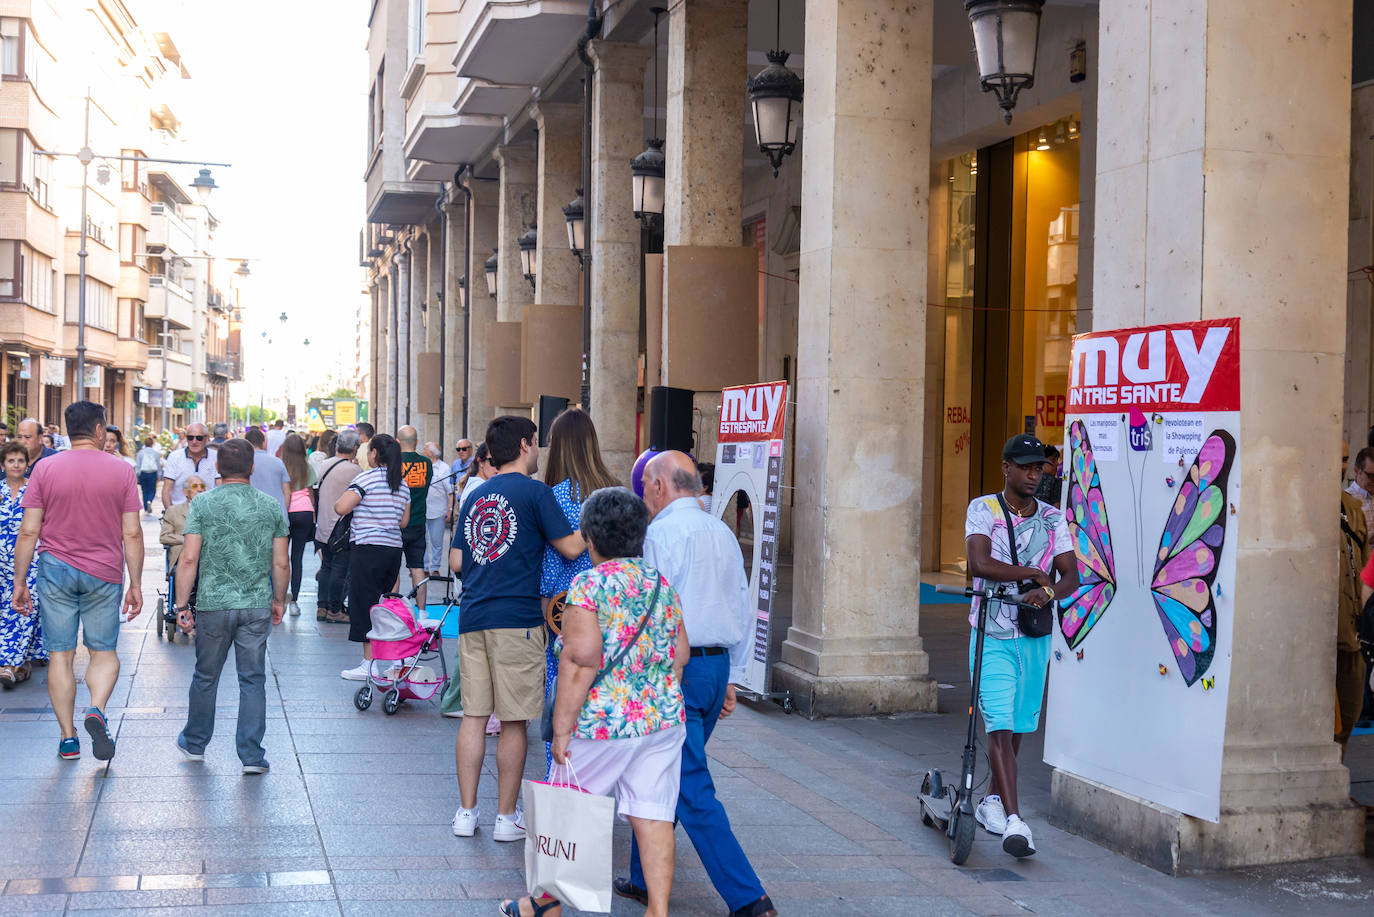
<point x="1015" y="666"/>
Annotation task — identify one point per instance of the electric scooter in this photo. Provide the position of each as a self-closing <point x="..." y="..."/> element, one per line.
<point x="950" y="808"/>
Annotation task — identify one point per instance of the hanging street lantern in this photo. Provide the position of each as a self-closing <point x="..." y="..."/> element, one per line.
<point x="204" y="185"/>
<point x="575" y="214"/>
<point x="529" y="254"/>
<point x="489" y="267"/>
<point x="648" y="170"/>
<point x="775" y="93"/>
<point x="1005" y="36"/>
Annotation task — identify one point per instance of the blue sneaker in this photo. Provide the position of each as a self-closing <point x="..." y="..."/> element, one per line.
<point x="190" y="755"/>
<point x="261" y="767"/>
<point x="69" y="749"/>
<point x="102" y="746"/>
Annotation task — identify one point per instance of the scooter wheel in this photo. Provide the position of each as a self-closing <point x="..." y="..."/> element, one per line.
<point x="961" y="838"/>
<point x="363" y="699"/>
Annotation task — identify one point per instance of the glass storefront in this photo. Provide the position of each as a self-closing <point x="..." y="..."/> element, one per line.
<point x="1008" y="286"/>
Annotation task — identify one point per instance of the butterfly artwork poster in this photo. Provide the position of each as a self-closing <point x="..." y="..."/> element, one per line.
<point x="1141" y="669"/>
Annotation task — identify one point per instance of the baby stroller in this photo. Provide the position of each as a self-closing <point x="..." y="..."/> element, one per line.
<point x="402" y="649"/>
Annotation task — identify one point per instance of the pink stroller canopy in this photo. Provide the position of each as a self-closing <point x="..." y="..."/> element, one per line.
<point x="394" y="633"/>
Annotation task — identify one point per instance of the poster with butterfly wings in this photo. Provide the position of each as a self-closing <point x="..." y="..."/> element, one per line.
<point x="1141" y="661"/>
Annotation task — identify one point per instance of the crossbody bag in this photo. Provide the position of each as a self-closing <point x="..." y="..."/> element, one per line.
<point x="546" y="718"/>
<point x="341" y="536"/>
<point x="1033" y="622"/>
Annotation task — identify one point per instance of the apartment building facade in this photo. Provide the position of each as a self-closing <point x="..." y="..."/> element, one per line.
<point x="72" y="73"/>
<point x="915" y="266"/>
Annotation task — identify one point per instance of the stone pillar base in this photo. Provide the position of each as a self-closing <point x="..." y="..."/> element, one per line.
<point x="1175" y="843"/>
<point x="855" y="695"/>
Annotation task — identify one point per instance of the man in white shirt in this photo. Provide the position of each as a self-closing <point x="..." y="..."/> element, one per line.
<point x="275" y="437"/>
<point x="700" y="556"/>
<point x="197" y="458"/>
<point x="438" y="510"/>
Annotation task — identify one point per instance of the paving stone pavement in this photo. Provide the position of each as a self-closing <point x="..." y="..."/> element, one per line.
<point x="354" y="817"/>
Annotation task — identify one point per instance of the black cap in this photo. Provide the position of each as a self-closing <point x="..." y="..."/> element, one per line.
<point x="1024" y="449"/>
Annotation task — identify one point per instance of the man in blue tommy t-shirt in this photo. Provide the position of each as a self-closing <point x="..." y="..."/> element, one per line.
<point x="498" y="544"/>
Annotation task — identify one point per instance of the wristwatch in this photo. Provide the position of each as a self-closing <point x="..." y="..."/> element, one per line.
<point x="1049" y="592"/>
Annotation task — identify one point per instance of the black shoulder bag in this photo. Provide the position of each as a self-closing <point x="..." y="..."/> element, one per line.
<point x="546" y="718"/>
<point x="341" y="535"/>
<point x="1033" y="622"/>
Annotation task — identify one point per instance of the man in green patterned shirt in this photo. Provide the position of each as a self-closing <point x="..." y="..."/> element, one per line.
<point x="235" y="539"/>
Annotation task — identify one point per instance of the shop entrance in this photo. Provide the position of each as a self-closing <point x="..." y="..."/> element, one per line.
<point x="1010" y="298"/>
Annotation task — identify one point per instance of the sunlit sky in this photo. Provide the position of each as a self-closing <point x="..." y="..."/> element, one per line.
<point x="279" y="90"/>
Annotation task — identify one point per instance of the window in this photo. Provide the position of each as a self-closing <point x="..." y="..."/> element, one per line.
<point x="131" y="177"/>
<point x="9" y="268"/>
<point x="417" y="29"/>
<point x="21" y="55"/>
<point x="378" y="124"/>
<point x="23" y="167"/>
<point x="11" y="35"/>
<point x="133" y="239"/>
<point x="38" y="279"/>
<point x="99" y="303"/>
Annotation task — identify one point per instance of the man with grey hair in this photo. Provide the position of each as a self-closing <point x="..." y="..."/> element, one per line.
<point x="438" y="510"/>
<point x="31" y="435"/>
<point x="196" y="458"/>
<point x="335" y="474"/>
<point x="700" y="556"/>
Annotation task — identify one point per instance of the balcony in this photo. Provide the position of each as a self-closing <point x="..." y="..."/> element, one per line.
<point x="517" y="42"/>
<point x="133" y="282"/>
<point x="216" y="300"/>
<point x="168" y="299"/>
<point x="222" y="366"/>
<point x="179" y="376"/>
<point x="130" y="355"/>
<point x="169" y="232"/>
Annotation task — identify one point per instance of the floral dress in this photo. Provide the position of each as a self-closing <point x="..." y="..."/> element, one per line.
<point x="641" y="695"/>
<point x="557" y="575"/>
<point x="21" y="636"/>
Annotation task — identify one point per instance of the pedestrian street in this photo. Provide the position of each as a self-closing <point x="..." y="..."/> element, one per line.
<point x="354" y="817"/>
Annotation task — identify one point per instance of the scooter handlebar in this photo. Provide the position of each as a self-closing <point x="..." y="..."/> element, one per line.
<point x="1002" y="593"/>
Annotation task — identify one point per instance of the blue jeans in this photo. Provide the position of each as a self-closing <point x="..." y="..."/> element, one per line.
<point x="67" y="595"/>
<point x="704" y="681"/>
<point x="148" y="481"/>
<point x="436" y="548"/>
<point x="246" y="630"/>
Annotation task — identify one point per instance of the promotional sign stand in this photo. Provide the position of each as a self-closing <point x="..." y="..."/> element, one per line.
<point x="749" y="459"/>
<point x="1142" y="652"/>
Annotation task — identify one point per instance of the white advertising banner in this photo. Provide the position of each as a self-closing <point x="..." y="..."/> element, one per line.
<point x="1142" y="652"/>
<point x="54" y="371"/>
<point x="749" y="459"/>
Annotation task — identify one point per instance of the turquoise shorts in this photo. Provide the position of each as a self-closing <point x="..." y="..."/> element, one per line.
<point x="1012" y="683"/>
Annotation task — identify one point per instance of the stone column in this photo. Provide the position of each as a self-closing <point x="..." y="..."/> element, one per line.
<point x="393" y="355"/>
<point x="518" y="201"/>
<point x="1222" y="191"/>
<point x="480" y="304"/>
<point x="617" y="137"/>
<point x="853" y="646"/>
<point x="403" y="338"/>
<point x="705" y="123"/>
<point x="379" y="349"/>
<point x="560" y="175"/>
<point x="420" y="315"/>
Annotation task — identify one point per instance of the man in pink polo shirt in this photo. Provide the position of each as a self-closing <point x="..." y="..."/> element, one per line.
<point x="81" y="509"/>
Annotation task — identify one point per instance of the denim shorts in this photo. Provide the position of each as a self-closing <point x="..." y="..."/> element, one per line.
<point x="66" y="595"/>
<point x="1011" y="685"/>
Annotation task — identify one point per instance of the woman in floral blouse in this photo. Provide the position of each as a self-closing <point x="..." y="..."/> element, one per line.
<point x="21" y="636"/>
<point x="622" y="726"/>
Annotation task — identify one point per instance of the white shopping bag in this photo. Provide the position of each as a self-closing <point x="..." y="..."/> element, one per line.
<point x="568" y="844"/>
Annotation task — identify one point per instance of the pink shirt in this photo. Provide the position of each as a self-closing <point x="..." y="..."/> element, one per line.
<point x="84" y="494"/>
<point x="300" y="501"/>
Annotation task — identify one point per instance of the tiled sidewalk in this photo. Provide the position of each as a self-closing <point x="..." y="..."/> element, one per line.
<point x="354" y="818"/>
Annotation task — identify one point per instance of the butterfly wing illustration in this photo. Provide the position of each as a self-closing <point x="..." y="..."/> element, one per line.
<point x="1188" y="557"/>
<point x="1092" y="542"/>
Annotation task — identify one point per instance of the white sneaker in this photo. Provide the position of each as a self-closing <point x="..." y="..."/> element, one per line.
<point x="465" y="822"/>
<point x="1016" y="840"/>
<point x="293" y="609"/>
<point x="358" y="672"/>
<point x="991" y="815"/>
<point x="509" y="827"/>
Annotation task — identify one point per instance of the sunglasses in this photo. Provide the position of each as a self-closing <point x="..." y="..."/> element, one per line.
<point x="464" y="448"/>
<point x="195" y="438"/>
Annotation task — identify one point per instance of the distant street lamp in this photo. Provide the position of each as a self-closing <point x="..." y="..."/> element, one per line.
<point x="649" y="168"/>
<point x="576" y="216"/>
<point x="529" y="254"/>
<point x="1006" y="34"/>
<point x="489" y="268"/>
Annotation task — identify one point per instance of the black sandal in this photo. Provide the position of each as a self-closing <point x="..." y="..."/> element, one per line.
<point x="511" y="907"/>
